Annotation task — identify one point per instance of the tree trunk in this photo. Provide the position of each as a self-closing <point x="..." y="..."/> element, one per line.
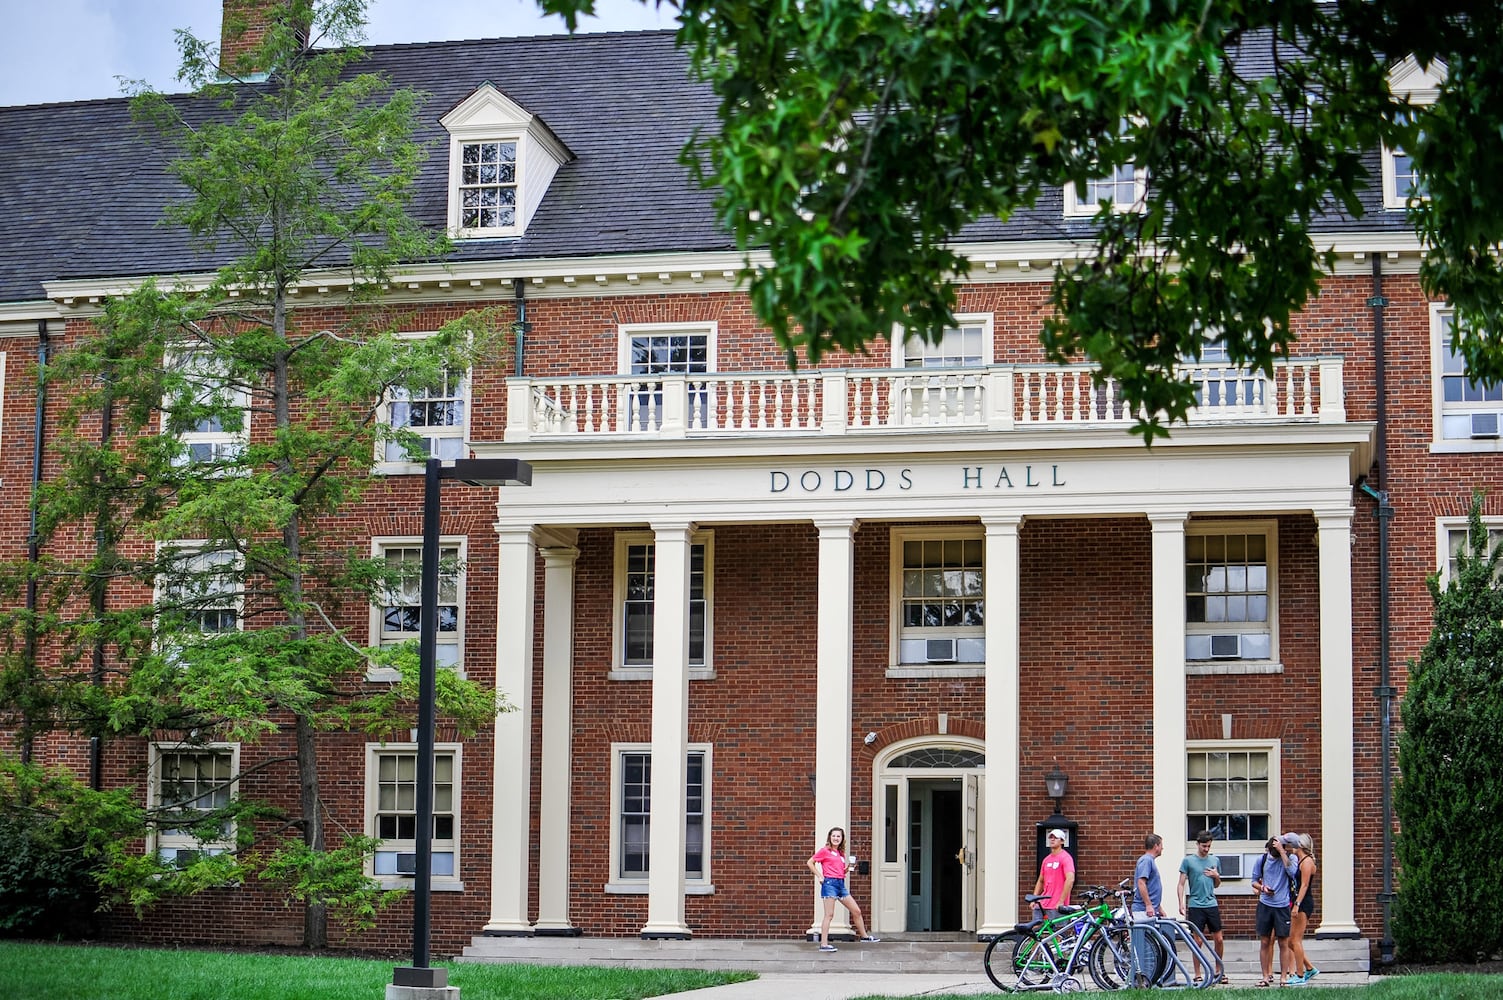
<point x="316" y="917"/>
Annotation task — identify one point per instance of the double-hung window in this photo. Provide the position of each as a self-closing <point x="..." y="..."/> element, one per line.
<point x="648" y="352"/>
<point x="502" y="158"/>
<point x="398" y="618"/>
<point x="187" y="784"/>
<point x="1420" y="87"/>
<point x="488" y="185"/>
<point x="939" y="608"/>
<point x="1232" y="790"/>
<point x="1230" y="599"/>
<point x="636" y="594"/>
<point x="631" y="797"/>
<point x="205" y="410"/>
<point x="391" y="811"/>
<point x="942" y="382"/>
<point x="199" y="592"/>
<point x="1468" y="413"/>
<point x="1453" y="540"/>
<point x="426" y="421"/>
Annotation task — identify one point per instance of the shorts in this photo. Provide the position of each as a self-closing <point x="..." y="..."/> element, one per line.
<point x="834" y="888"/>
<point x="1206" y="918"/>
<point x="1273" y="920"/>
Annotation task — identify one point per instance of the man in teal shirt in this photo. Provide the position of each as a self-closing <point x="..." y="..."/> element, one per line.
<point x="1201" y="874"/>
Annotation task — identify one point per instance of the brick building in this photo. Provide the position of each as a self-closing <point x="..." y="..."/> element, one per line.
<point x="887" y="592"/>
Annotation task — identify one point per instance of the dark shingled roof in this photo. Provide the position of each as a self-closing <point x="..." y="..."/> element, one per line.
<point x="82" y="186"/>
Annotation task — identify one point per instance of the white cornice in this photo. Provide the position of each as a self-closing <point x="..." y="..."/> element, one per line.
<point x="664" y="273"/>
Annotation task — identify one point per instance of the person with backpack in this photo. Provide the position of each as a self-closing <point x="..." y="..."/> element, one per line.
<point x="1272" y="875"/>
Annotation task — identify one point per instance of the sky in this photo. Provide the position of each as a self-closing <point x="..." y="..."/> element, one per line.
<point x="73" y="50"/>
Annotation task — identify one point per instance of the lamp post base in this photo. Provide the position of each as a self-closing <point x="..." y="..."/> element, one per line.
<point x="409" y="983"/>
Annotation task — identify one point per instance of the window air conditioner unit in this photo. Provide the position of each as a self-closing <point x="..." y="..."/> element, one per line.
<point x="1226" y="647"/>
<point x="406" y="863"/>
<point x="185" y="857"/>
<point x="1484" y="425"/>
<point x="1231" y="865"/>
<point x="939" y="650"/>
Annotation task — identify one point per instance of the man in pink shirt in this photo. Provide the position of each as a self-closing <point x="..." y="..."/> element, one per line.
<point x="1056" y="875"/>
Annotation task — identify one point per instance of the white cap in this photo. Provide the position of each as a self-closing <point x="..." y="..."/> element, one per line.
<point x="1064" y="838"/>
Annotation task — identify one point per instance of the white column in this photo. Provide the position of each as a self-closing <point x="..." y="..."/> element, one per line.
<point x="511" y="814"/>
<point x="1338" y="915"/>
<point x="832" y="691"/>
<point x="1169" y="727"/>
<point x="999" y="852"/>
<point x="670" y="731"/>
<point x="558" y="695"/>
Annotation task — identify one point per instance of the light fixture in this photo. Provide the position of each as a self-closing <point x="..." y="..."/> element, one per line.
<point x="1055" y="784"/>
<point x="471" y="472"/>
<point x="870" y="739"/>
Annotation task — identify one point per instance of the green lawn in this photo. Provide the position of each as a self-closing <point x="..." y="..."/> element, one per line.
<point x="1429" y="986"/>
<point x="74" y="972"/>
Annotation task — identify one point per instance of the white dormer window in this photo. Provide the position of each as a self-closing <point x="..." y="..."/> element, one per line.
<point x="1420" y="86"/>
<point x="1125" y="189"/>
<point x="502" y="158"/>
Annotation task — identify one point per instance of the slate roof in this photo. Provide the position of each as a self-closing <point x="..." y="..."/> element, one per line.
<point x="82" y="186"/>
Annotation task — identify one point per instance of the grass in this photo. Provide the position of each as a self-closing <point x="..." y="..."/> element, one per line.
<point x="1425" y="986"/>
<point x="80" y="972"/>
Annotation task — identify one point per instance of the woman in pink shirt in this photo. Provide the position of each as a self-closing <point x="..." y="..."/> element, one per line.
<point x="829" y="865"/>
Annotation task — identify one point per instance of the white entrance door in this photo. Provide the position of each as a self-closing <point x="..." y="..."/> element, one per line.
<point x="890" y="859"/>
<point x="970" y="840"/>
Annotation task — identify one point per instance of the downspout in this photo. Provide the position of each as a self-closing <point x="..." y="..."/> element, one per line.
<point x="520" y="327"/>
<point x="1385" y="691"/>
<point x="99" y="594"/>
<point x="33" y="545"/>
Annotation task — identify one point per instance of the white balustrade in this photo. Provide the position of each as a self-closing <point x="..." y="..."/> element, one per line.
<point x="848" y="401"/>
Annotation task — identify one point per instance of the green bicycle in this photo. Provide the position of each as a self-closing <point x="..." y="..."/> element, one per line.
<point x="1048" y="954"/>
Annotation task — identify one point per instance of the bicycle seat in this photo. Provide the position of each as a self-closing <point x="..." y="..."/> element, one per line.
<point x="1029" y="927"/>
<point x="1068" y="909"/>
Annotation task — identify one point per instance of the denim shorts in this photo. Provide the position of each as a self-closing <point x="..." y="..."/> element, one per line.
<point x="832" y="888"/>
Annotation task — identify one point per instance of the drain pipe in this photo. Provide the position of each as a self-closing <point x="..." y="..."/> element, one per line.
<point x="1385" y="691"/>
<point x="520" y="326"/>
<point x="33" y="545"/>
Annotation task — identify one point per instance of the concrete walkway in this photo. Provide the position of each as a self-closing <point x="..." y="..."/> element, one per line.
<point x="844" y="986"/>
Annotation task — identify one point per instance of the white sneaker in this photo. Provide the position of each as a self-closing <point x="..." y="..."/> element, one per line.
<point x="827" y="947"/>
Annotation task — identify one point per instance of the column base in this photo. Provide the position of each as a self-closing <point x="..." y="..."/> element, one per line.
<point x="557" y="932"/>
<point x="666" y="935"/>
<point x="1339" y="932"/>
<point x="507" y="930"/>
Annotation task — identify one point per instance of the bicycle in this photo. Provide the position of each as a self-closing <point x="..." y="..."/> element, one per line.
<point x="1111" y="958"/>
<point x="1048" y="953"/>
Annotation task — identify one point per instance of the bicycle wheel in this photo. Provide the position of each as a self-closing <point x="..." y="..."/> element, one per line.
<point x="1032" y="963"/>
<point x="998" y="961"/>
<point x="1110" y="958"/>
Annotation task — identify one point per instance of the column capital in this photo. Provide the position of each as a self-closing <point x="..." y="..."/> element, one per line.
<point x="559" y="555"/>
<point x="1168" y="520"/>
<point x="836" y="525"/>
<point x="672" y="527"/>
<point x="1334" y="517"/>
<point x="1007" y="523"/>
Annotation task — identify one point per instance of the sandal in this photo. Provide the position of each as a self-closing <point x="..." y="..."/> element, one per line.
<point x="1264" y="983"/>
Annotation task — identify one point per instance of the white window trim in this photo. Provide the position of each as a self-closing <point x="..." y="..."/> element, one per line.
<point x="1443" y="528"/>
<point x="895" y="666"/>
<point x="488" y="115"/>
<point x="155" y="840"/>
<point x="622" y="671"/>
<point x="616" y="885"/>
<point x="440" y="883"/>
<point x="198" y="546"/>
<point x="1242" y="886"/>
<point x="1273" y="664"/>
<point x="379" y="546"/>
<point x="1421" y="86"/>
<point x="1439" y="444"/>
<point x="986" y="321"/>
<point x="237" y="439"/>
<point x="1076" y="208"/>
<point x="383" y="467"/>
<point x="627" y="332"/>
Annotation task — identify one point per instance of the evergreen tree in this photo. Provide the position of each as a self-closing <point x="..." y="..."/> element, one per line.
<point x="1449" y="798"/>
<point x="209" y="442"/>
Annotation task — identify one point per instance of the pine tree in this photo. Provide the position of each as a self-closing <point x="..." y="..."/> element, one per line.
<point x="1449" y="798"/>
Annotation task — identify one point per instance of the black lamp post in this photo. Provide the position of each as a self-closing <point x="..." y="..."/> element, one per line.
<point x="472" y="472"/>
<point x="1056" y="782"/>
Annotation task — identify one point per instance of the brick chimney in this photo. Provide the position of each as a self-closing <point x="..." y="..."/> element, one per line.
<point x="244" y="26"/>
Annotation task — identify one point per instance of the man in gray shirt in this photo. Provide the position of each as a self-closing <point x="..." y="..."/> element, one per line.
<point x="1271" y="880"/>
<point x="1147" y="904"/>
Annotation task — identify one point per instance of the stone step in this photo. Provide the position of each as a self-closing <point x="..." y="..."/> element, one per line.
<point x="1340" y="962"/>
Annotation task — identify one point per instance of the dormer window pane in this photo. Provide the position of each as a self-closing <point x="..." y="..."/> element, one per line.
<point x="488" y="185"/>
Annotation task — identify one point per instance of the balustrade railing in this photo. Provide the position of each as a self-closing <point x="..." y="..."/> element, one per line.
<point x="851" y="401"/>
